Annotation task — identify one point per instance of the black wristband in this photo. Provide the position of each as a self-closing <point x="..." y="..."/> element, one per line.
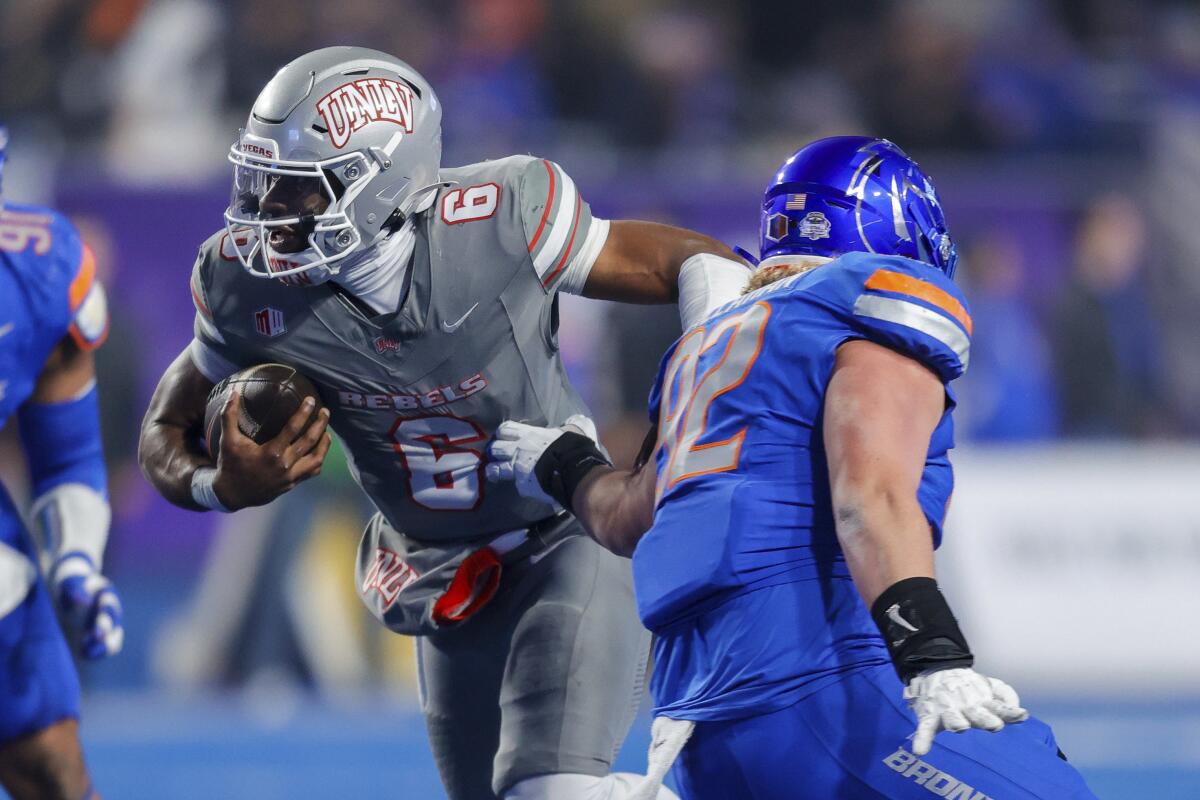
<point x="565" y="464"/>
<point x="919" y="628"/>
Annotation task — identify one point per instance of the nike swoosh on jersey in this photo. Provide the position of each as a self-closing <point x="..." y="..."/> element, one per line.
<point x="451" y="327"/>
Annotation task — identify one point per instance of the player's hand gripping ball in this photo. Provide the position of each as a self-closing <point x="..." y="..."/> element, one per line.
<point x="266" y="428"/>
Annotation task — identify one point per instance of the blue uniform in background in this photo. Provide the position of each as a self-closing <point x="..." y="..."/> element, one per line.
<point x="761" y="636"/>
<point x="48" y="290"/>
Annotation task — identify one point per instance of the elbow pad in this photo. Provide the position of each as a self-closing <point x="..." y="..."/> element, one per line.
<point x="707" y="282"/>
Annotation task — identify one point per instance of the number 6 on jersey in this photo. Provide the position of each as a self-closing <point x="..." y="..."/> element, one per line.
<point x="443" y="473"/>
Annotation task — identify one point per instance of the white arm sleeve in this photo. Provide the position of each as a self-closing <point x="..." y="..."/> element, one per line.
<point x="72" y="518"/>
<point x="706" y="282"/>
<point x="576" y="273"/>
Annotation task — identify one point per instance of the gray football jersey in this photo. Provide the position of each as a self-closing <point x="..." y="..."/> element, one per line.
<point x="416" y="395"/>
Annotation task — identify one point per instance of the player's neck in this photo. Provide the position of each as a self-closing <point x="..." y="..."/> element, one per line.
<point x="377" y="279"/>
<point x="776" y="268"/>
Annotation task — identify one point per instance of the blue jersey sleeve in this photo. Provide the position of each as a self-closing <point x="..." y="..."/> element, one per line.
<point x="59" y="273"/>
<point x="908" y="306"/>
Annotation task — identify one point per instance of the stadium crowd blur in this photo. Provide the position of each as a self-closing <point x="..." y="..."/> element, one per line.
<point x="1064" y="134"/>
<point x="1071" y="339"/>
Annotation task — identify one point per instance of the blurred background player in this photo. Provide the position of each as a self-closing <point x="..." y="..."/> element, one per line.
<point x="52" y="316"/>
<point x="423" y="302"/>
<point x="801" y="482"/>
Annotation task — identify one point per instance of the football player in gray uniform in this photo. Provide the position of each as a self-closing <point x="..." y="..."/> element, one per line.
<point x="422" y="302"/>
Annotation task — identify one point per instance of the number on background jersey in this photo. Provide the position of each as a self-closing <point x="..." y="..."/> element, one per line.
<point x="471" y="203"/>
<point x="443" y="473"/>
<point x="684" y="407"/>
<point x="18" y="230"/>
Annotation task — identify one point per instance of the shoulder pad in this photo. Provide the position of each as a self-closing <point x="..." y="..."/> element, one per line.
<point x="216" y="275"/>
<point x="906" y="305"/>
<point x="88" y="304"/>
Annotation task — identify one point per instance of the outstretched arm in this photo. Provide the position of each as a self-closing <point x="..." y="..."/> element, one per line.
<point x="880" y="410"/>
<point x="616" y="505"/>
<point x="641" y="262"/>
<point x="564" y="466"/>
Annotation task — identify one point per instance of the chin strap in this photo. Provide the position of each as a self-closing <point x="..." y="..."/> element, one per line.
<point x="746" y="254"/>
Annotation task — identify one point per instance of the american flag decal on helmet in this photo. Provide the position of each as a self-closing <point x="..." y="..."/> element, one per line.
<point x="795" y="202"/>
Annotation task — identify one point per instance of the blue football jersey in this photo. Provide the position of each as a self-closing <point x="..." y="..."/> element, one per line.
<point x="743" y="498"/>
<point x="48" y="290"/>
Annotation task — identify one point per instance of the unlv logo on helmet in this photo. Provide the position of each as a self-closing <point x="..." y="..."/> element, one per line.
<point x="353" y="105"/>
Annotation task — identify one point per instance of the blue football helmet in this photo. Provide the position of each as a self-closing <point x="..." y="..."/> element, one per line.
<point x="855" y="194"/>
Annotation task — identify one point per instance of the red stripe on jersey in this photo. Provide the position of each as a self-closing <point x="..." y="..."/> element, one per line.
<point x="570" y="242"/>
<point x="546" y="212"/>
<point x="201" y="306"/>
<point x="82" y="283"/>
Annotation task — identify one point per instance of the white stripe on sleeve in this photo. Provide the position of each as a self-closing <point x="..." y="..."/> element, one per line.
<point x="930" y="323"/>
<point x="576" y="274"/>
<point x="560" y="227"/>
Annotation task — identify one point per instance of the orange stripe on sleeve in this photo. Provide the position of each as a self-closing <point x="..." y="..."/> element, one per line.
<point x="887" y="281"/>
<point x="84" y="279"/>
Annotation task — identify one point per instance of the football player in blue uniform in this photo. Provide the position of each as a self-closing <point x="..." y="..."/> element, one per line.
<point x="800" y="488"/>
<point x="52" y="316"/>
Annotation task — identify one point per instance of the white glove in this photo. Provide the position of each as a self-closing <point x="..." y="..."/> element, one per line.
<point x="958" y="699"/>
<point x="71" y="522"/>
<point x="517" y="447"/>
<point x="90" y="604"/>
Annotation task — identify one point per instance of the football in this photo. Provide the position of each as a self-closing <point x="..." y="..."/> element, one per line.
<point x="271" y="393"/>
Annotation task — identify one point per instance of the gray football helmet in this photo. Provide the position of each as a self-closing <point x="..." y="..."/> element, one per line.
<point x="338" y="147"/>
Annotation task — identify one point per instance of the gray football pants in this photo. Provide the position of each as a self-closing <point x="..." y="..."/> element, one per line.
<point x="546" y="678"/>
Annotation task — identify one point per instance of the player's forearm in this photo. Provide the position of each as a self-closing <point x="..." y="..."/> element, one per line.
<point x="884" y="535"/>
<point x="169" y="458"/>
<point x="641" y="260"/>
<point x="169" y="449"/>
<point x="613" y="507"/>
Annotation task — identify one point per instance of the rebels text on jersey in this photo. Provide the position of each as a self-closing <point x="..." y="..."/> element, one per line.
<point x="415" y="396"/>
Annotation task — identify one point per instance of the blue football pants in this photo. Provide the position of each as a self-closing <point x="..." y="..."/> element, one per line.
<point x="38" y="682"/>
<point x="850" y="741"/>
